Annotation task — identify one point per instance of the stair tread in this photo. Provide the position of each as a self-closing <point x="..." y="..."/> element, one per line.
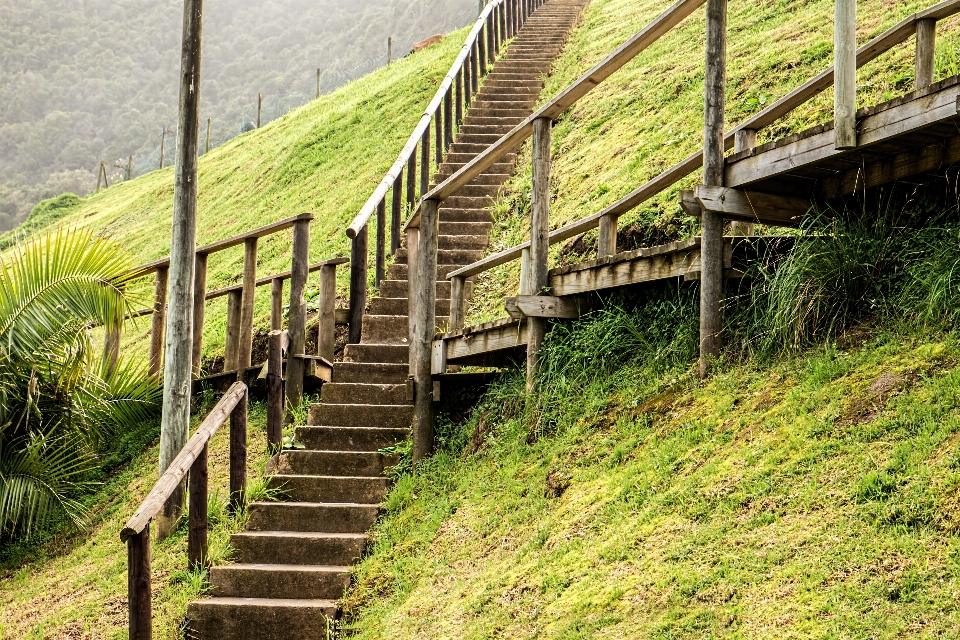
<point x="266" y="602"/>
<point x="302" y="568"/>
<point x="316" y="535"/>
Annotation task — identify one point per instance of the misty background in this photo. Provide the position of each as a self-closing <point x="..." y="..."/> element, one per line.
<point x="85" y="81"/>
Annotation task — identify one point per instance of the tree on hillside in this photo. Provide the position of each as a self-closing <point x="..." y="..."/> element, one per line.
<point x="59" y="405"/>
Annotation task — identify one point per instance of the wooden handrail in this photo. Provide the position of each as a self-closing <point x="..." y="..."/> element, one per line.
<point x="178" y="469"/>
<point x="423" y="125"/>
<point x="890" y="38"/>
<point x="564" y="100"/>
<point x="227" y="243"/>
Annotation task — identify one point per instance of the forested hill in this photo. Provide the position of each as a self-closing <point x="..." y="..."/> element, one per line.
<point x="88" y="80"/>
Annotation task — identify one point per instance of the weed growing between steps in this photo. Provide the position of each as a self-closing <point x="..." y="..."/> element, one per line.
<point x="75" y="584"/>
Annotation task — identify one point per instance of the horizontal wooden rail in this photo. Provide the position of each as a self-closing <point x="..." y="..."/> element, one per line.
<point x="564" y="100"/>
<point x="178" y="469"/>
<point x="233" y="241"/>
<point x="890" y="38"/>
<point x="316" y="266"/>
<point x="370" y="207"/>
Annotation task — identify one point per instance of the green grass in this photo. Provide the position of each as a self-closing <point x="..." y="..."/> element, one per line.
<point x="74" y="584"/>
<point x="814" y="499"/>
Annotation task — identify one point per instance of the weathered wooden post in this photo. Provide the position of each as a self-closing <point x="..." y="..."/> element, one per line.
<point x="249" y="297"/>
<point x="381" y="250"/>
<point x="411" y="184"/>
<point x="297" y="315"/>
<point x="129" y="167"/>
<point x="197" y="534"/>
<point x="276" y="304"/>
<point x="319" y="73"/>
<point x="438" y="132"/>
<point x="238" y="453"/>
<point x="447" y="118"/>
<point x="539" y="240"/>
<point x="482" y="51"/>
<point x="159" y="320"/>
<point x="457" y="303"/>
<point x="389" y="50"/>
<point x="327" y="323"/>
<point x="926" y="49"/>
<point x="138" y="586"/>
<point x="207" y="147"/>
<point x="396" y="205"/>
<point x="180" y="331"/>
<point x="199" y="309"/>
<point x="274" y="390"/>
<point x="607" y="236"/>
<point x="425" y="161"/>
<point x="358" y="285"/>
<point x="163" y="144"/>
<point x="413" y="252"/>
<point x="711" y="241"/>
<point x="425" y="327"/>
<point x="744" y="139"/>
<point x="845" y="74"/>
<point x="259" y="108"/>
<point x="231" y="356"/>
<point x="458" y="98"/>
<point x="491" y="39"/>
<point x="467" y="82"/>
<point x="111" y="345"/>
<point x="474" y="68"/>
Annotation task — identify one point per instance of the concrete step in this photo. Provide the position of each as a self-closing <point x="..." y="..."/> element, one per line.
<point x="378" y="353"/>
<point x="285" y="581"/>
<point x="374" y="373"/>
<point x="467" y="202"/>
<point x="334" y="463"/>
<point x="297" y="547"/>
<point x="449" y="168"/>
<point x="324" y="438"/>
<point x="312" y="517"/>
<point x="398" y="289"/>
<point x="466" y="229"/>
<point x="489" y="130"/>
<point x="474" y="149"/>
<point x="387" y="416"/>
<point x="513" y="86"/>
<point x="331" y="488"/>
<point x="486" y="139"/>
<point x="386" y="329"/>
<point x="259" y="618"/>
<point x="399" y="306"/>
<point x="360" y="393"/>
<point x="501" y="110"/>
<point x="491" y="120"/>
<point x="447" y="242"/>
<point x="446" y="256"/>
<point x="473" y="215"/>
<point x="399" y="272"/>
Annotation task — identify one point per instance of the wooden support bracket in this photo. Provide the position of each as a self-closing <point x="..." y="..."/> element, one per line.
<point x="321" y="367"/>
<point x="737" y="204"/>
<point x="545" y="307"/>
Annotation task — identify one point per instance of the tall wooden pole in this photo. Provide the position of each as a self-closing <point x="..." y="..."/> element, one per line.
<point x="538" y="277"/>
<point x="926" y="48"/>
<point x="425" y="326"/>
<point x="259" y="108"/>
<point x="163" y="144"/>
<point x="711" y="242"/>
<point x="389" y="50"/>
<point x="743" y="140"/>
<point x="297" y="313"/>
<point x="178" y="364"/>
<point x="319" y="74"/>
<point x="207" y="147"/>
<point x="845" y="74"/>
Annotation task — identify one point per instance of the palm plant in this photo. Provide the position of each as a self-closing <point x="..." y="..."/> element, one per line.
<point x="59" y="403"/>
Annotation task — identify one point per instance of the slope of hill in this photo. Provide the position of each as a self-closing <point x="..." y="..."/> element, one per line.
<point x="82" y="82"/>
<point x="325" y="157"/>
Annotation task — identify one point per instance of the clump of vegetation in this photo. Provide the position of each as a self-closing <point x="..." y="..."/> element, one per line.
<point x="61" y="403"/>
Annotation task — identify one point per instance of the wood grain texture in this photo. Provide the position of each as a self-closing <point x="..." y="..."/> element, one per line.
<point x="158" y="321"/>
<point x="845" y="76"/>
<point x="245" y="350"/>
<point x="425" y="326"/>
<point x="297" y="313"/>
<point x="178" y="469"/>
<point x="764" y="208"/>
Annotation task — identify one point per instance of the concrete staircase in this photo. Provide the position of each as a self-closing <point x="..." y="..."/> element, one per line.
<point x="293" y="559"/>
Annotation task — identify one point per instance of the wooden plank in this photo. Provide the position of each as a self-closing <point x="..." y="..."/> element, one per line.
<point x="326" y="322"/>
<point x="884" y="126"/>
<point x="297" y="314"/>
<point x="245" y="344"/>
<point x="845" y="76"/>
<point x="424" y="328"/>
<point x="504" y="336"/>
<point x="622" y="274"/>
<point x="544" y="307"/>
<point x="438" y="358"/>
<point x="178" y="469"/>
<point x="752" y="206"/>
<point x="358" y="285"/>
<point x="158" y="321"/>
<point x="275" y="347"/>
<point x="925" y="53"/>
<point x="138" y="585"/>
<point x="199" y="308"/>
<point x="197" y="527"/>
<point x="276" y="304"/>
<point x="238" y="454"/>
<point x="231" y="356"/>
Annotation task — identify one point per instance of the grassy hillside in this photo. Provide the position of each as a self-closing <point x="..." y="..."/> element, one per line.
<point x="649" y="115"/>
<point x="814" y="499"/>
<point x="325" y="158"/>
<point x="74" y="585"/>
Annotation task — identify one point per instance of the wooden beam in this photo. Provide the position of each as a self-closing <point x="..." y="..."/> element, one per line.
<point x="625" y="272"/>
<point x="425" y="326"/>
<point x="496" y="336"/>
<point x="845" y="78"/>
<point x="297" y="314"/>
<point x="538" y="273"/>
<point x="925" y="55"/>
<point x="764" y="208"/>
<point x="520" y="307"/>
<point x="912" y="116"/>
<point x="249" y="293"/>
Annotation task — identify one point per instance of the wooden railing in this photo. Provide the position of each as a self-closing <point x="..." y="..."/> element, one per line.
<point x="240" y="303"/>
<point x="421" y="234"/>
<point x="193" y="459"/>
<point x="498" y="21"/>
